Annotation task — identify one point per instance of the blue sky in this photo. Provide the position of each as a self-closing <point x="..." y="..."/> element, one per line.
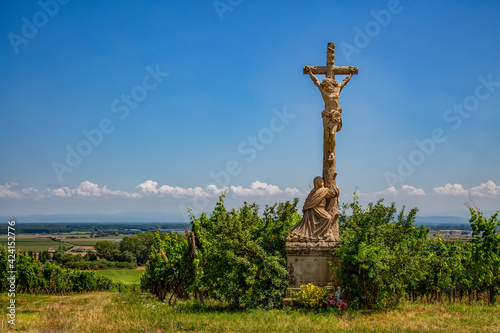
<point x="120" y="107"/>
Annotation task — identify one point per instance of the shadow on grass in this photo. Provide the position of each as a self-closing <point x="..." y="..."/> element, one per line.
<point x="186" y="306"/>
<point x="211" y="306"/>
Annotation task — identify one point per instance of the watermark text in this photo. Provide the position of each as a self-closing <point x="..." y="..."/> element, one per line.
<point x="11" y="273"/>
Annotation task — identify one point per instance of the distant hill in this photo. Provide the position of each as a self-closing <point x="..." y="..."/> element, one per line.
<point x="164" y="217"/>
<point x="431" y="220"/>
<point x="96" y="218"/>
<point x="444" y="222"/>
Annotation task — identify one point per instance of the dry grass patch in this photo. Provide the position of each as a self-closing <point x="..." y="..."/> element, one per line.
<point x="137" y="312"/>
<point x="432" y="318"/>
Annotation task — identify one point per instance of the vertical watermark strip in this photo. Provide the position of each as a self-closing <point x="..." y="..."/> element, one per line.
<point x="11" y="273"/>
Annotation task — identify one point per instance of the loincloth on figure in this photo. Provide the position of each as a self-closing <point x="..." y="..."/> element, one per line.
<point x="332" y="120"/>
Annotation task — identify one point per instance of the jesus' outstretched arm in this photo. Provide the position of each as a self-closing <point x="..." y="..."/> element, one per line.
<point x="344" y="82"/>
<point x="313" y="78"/>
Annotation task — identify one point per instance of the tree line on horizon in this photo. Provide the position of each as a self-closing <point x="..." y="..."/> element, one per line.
<point x="101" y="229"/>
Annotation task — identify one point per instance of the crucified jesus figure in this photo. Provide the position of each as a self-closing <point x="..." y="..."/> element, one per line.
<point x="332" y="114"/>
<point x="330" y="90"/>
<point x="332" y="123"/>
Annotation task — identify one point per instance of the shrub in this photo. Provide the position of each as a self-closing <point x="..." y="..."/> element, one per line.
<point x="35" y="277"/>
<point x="168" y="268"/>
<point x="311" y="296"/>
<point x="486" y="255"/>
<point x="381" y="254"/>
<point x="244" y="259"/>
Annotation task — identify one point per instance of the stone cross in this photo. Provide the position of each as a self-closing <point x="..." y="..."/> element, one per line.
<point x="330" y="70"/>
<point x="332" y="121"/>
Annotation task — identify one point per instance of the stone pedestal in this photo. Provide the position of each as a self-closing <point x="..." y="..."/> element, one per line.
<point x="311" y="262"/>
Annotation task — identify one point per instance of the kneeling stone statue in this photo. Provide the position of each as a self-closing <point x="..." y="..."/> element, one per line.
<point x="317" y="223"/>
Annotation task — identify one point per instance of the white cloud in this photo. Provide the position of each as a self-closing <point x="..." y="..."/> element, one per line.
<point x="88" y="189"/>
<point x="263" y="189"/>
<point x="106" y="191"/>
<point x="485" y="190"/>
<point x="212" y="189"/>
<point x="293" y="192"/>
<point x="148" y="187"/>
<point x="62" y="192"/>
<point x="178" y="192"/>
<point x="391" y="191"/>
<point x="488" y="189"/>
<point x="412" y="191"/>
<point x="6" y="192"/>
<point x="256" y="189"/>
<point x="449" y="189"/>
<point x="240" y="191"/>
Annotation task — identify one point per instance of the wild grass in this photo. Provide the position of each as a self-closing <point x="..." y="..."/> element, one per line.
<point x="139" y="312"/>
<point x="127" y="277"/>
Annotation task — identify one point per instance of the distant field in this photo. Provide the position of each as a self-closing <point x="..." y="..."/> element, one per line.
<point x="454" y="238"/>
<point x="91" y="241"/>
<point x="38" y="244"/>
<point x="32" y="243"/>
<point x="127" y="277"/>
<point x="447" y="237"/>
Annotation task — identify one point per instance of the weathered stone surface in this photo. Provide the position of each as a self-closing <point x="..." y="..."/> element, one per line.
<point x="311" y="247"/>
<point x="338" y="70"/>
<point x="317" y="223"/>
<point x="311" y="243"/>
<point x="332" y="122"/>
<point x="311" y="262"/>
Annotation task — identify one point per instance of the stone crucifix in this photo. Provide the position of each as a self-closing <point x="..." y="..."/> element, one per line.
<point x="332" y="121"/>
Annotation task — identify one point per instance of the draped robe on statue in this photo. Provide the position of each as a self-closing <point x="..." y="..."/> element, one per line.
<point x="316" y="222"/>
